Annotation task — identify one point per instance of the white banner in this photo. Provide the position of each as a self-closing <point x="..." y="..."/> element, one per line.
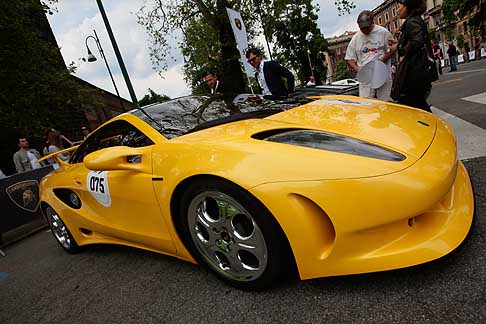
<point x="241" y="38"/>
<point x="460" y="58"/>
<point x="483" y="52"/>
<point x="472" y="55"/>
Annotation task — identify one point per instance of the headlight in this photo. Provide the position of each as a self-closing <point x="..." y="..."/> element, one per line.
<point x="332" y="142"/>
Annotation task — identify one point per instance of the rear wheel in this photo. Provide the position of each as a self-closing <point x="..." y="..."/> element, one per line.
<point x="60" y="231"/>
<point x="230" y="231"/>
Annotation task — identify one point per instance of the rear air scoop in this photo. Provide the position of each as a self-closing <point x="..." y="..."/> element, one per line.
<point x="394" y="127"/>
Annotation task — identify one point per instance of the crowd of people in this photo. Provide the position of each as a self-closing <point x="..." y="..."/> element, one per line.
<point x="26" y="158"/>
<point x="409" y="79"/>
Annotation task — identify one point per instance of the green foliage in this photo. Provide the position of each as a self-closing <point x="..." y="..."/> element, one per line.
<point x="342" y="71"/>
<point x="433" y="35"/>
<point x="36" y="88"/>
<point x="299" y="43"/>
<point x="152" y="97"/>
<point x="208" y="39"/>
<point x="344" y="6"/>
<point x="454" y="9"/>
<point x="449" y="34"/>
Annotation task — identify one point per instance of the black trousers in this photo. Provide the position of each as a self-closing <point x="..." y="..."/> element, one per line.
<point x="416" y="100"/>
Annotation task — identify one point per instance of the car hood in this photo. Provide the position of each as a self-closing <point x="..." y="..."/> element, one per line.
<point x="407" y="131"/>
<point x="403" y="130"/>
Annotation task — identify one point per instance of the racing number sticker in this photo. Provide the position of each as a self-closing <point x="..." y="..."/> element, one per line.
<point x="97" y="183"/>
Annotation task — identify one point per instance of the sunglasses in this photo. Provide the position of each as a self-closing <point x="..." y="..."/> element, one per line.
<point x="84" y="129"/>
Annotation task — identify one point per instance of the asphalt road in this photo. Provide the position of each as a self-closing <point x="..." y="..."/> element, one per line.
<point x="40" y="283"/>
<point x="448" y="91"/>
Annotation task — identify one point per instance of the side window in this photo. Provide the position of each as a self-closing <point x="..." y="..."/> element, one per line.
<point x="117" y="133"/>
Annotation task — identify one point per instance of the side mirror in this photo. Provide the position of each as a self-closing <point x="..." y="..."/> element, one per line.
<point x="115" y="158"/>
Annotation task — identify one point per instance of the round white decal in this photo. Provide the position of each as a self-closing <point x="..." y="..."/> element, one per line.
<point x="97" y="183"/>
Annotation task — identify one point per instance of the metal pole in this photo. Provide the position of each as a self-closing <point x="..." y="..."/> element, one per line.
<point x="310" y="63"/>
<point x="118" y="54"/>
<point x="100" y="49"/>
<point x="257" y="4"/>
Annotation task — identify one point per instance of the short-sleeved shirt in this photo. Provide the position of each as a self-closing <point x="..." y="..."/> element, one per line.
<point x="366" y="48"/>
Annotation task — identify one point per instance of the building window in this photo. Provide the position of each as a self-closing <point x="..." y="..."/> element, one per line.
<point x="386" y="16"/>
<point x="437" y="20"/>
<point x="379" y="20"/>
<point x="394" y="12"/>
<point x="396" y="24"/>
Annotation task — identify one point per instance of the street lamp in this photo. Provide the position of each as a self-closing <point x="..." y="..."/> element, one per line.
<point x="308" y="38"/>
<point x="92" y="58"/>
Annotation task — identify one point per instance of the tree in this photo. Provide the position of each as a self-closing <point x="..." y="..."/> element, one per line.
<point x="152" y="97"/>
<point x="292" y="26"/>
<point x="36" y="88"/>
<point x="161" y="19"/>
<point x="454" y="9"/>
<point x="342" y="71"/>
<point x="208" y="41"/>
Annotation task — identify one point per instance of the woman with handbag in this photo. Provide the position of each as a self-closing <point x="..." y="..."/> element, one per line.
<point x="417" y="69"/>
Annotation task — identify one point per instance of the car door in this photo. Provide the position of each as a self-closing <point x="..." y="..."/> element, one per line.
<point x="122" y="203"/>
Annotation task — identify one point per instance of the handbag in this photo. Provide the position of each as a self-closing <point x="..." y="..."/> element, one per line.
<point x="430" y="66"/>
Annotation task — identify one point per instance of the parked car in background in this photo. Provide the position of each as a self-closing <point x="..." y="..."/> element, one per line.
<point x="346" y="82"/>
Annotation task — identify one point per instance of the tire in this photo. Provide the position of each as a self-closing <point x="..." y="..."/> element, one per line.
<point x="60" y="231"/>
<point x="230" y="231"/>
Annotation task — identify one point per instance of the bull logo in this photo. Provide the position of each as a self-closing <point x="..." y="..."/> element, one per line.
<point x="25" y="195"/>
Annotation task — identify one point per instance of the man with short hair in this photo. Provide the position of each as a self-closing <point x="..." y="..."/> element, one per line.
<point x="212" y="81"/>
<point x="84" y="131"/>
<point x="25" y="159"/>
<point x="371" y="43"/>
<point x="270" y="75"/>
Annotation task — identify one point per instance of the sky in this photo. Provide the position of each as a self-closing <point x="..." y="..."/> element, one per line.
<point x="76" y="20"/>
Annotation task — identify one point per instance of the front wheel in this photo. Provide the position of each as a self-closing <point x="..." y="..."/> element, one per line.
<point x="60" y="231"/>
<point x="229" y="230"/>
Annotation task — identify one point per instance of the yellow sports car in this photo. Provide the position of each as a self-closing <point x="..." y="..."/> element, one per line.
<point x="338" y="185"/>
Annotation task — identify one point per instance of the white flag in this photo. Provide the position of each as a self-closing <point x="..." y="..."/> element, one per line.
<point x="241" y="38"/>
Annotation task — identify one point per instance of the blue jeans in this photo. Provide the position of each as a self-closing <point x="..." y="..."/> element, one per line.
<point x="453" y="62"/>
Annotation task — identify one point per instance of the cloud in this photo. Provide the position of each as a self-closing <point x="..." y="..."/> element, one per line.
<point x="331" y="24"/>
<point x="77" y="19"/>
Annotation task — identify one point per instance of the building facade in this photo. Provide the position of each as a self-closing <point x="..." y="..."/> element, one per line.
<point x="386" y="15"/>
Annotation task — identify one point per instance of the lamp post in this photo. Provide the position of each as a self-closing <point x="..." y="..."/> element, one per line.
<point x="308" y="38"/>
<point x="118" y="54"/>
<point x="92" y="58"/>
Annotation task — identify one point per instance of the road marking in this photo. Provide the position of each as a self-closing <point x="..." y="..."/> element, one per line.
<point x="448" y="81"/>
<point x="470" y="138"/>
<point x="479" y="98"/>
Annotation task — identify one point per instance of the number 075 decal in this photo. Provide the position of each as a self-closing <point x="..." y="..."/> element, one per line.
<point x="97" y="183"/>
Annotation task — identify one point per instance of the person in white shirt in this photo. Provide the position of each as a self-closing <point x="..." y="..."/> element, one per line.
<point x="25" y="159"/>
<point x="371" y="43"/>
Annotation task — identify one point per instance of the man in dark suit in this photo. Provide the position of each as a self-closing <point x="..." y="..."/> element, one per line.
<point x="217" y="89"/>
<point x="212" y="81"/>
<point x="270" y="75"/>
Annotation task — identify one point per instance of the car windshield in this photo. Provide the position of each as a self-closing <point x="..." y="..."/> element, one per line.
<point x="187" y="114"/>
